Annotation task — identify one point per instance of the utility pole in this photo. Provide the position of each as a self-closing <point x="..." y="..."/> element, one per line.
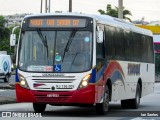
<point x="120" y="9"/>
<point x="70" y="5"/>
<point x="46" y="6"/>
<point x="49" y="7"/>
<point x="41" y="6"/>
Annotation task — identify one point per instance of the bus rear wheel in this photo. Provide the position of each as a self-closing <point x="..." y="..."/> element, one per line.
<point x="132" y="103"/>
<point x="136" y="101"/>
<point x="39" y="107"/>
<point x="102" y="108"/>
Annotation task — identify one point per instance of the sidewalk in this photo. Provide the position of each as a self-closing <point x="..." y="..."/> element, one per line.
<point x="7" y="86"/>
<point x="7" y="100"/>
<point x="5" y="97"/>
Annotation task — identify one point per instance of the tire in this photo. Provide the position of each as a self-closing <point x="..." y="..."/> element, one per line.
<point x="39" y="108"/>
<point x="125" y="104"/>
<point x="6" y="79"/>
<point x="132" y="103"/>
<point x="102" y="108"/>
<point x="136" y="101"/>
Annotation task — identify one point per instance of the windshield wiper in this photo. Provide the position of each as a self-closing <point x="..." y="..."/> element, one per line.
<point x="69" y="42"/>
<point x="73" y="60"/>
<point x="43" y="39"/>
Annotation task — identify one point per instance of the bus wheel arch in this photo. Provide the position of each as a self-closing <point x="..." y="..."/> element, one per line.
<point x="102" y="108"/>
<point x="109" y="84"/>
<point x="136" y="101"/>
<point x="133" y="103"/>
<point x="140" y="84"/>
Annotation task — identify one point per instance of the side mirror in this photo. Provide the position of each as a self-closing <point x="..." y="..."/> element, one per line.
<point x="99" y="36"/>
<point x="12" y="39"/>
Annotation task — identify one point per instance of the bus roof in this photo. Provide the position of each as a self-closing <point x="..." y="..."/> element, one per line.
<point x="104" y="19"/>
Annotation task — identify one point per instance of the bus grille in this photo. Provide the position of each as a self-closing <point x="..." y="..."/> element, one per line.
<point x="44" y="98"/>
<point x="64" y="79"/>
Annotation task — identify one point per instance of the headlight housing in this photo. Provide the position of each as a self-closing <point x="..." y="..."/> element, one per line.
<point x="22" y="81"/>
<point x="84" y="82"/>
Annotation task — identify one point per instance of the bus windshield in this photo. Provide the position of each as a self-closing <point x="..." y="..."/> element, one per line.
<point x="55" y="51"/>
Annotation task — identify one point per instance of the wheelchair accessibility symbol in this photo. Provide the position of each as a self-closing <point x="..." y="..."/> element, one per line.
<point x="57" y="68"/>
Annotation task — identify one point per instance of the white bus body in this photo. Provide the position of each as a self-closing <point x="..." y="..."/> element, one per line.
<point x="117" y="70"/>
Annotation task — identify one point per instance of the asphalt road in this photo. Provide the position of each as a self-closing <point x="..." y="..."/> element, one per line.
<point x="9" y="85"/>
<point x="12" y="81"/>
<point x="148" y="110"/>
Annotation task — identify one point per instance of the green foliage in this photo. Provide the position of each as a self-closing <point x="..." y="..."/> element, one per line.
<point x="5" y="42"/>
<point x="114" y="12"/>
<point x="2" y="21"/>
<point x="5" y="37"/>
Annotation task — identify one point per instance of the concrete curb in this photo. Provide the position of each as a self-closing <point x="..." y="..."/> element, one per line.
<point x="7" y="87"/>
<point x="7" y="101"/>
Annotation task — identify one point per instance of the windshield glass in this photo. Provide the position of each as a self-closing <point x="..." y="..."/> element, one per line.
<point x="55" y="51"/>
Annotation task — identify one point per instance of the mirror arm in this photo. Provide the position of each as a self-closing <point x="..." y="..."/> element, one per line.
<point x="15" y="29"/>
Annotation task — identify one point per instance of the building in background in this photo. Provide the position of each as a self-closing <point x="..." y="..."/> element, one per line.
<point x="13" y="20"/>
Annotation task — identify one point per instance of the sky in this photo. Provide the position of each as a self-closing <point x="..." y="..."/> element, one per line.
<point x="147" y="9"/>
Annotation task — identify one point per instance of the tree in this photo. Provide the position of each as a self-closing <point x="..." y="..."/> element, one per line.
<point x="4" y="36"/>
<point x="2" y="26"/>
<point x="114" y="12"/>
<point x="2" y="21"/>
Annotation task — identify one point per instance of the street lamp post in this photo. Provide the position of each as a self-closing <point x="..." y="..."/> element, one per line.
<point x="120" y="9"/>
<point x="49" y="7"/>
<point x="46" y="6"/>
<point x="70" y="5"/>
<point x="41" y="6"/>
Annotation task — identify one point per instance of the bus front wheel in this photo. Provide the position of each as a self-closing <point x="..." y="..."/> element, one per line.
<point x="39" y="107"/>
<point x="102" y="108"/>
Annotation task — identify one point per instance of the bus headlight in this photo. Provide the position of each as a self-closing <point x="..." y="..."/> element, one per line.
<point x="84" y="82"/>
<point x="23" y="82"/>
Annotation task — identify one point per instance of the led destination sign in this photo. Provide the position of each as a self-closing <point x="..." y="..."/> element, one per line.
<point x="56" y="22"/>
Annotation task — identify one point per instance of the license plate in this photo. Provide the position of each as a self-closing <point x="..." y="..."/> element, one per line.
<point x="64" y="86"/>
<point x="52" y="95"/>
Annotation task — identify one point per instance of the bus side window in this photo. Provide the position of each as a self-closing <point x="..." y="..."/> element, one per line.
<point x="100" y="55"/>
<point x="128" y="45"/>
<point x="119" y="44"/>
<point x="109" y="42"/>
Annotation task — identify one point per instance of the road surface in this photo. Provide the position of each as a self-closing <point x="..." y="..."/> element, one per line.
<point x="148" y="110"/>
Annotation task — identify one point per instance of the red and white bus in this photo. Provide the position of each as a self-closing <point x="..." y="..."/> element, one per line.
<point x="83" y="60"/>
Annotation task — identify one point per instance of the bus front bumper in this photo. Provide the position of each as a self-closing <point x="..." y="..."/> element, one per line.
<point x="80" y="96"/>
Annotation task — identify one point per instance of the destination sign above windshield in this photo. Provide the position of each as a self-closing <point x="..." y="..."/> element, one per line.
<point x="57" y="22"/>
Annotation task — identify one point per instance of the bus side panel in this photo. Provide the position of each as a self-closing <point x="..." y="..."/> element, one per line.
<point x="114" y="72"/>
<point x="134" y="71"/>
<point x="148" y="78"/>
<point x="124" y="76"/>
